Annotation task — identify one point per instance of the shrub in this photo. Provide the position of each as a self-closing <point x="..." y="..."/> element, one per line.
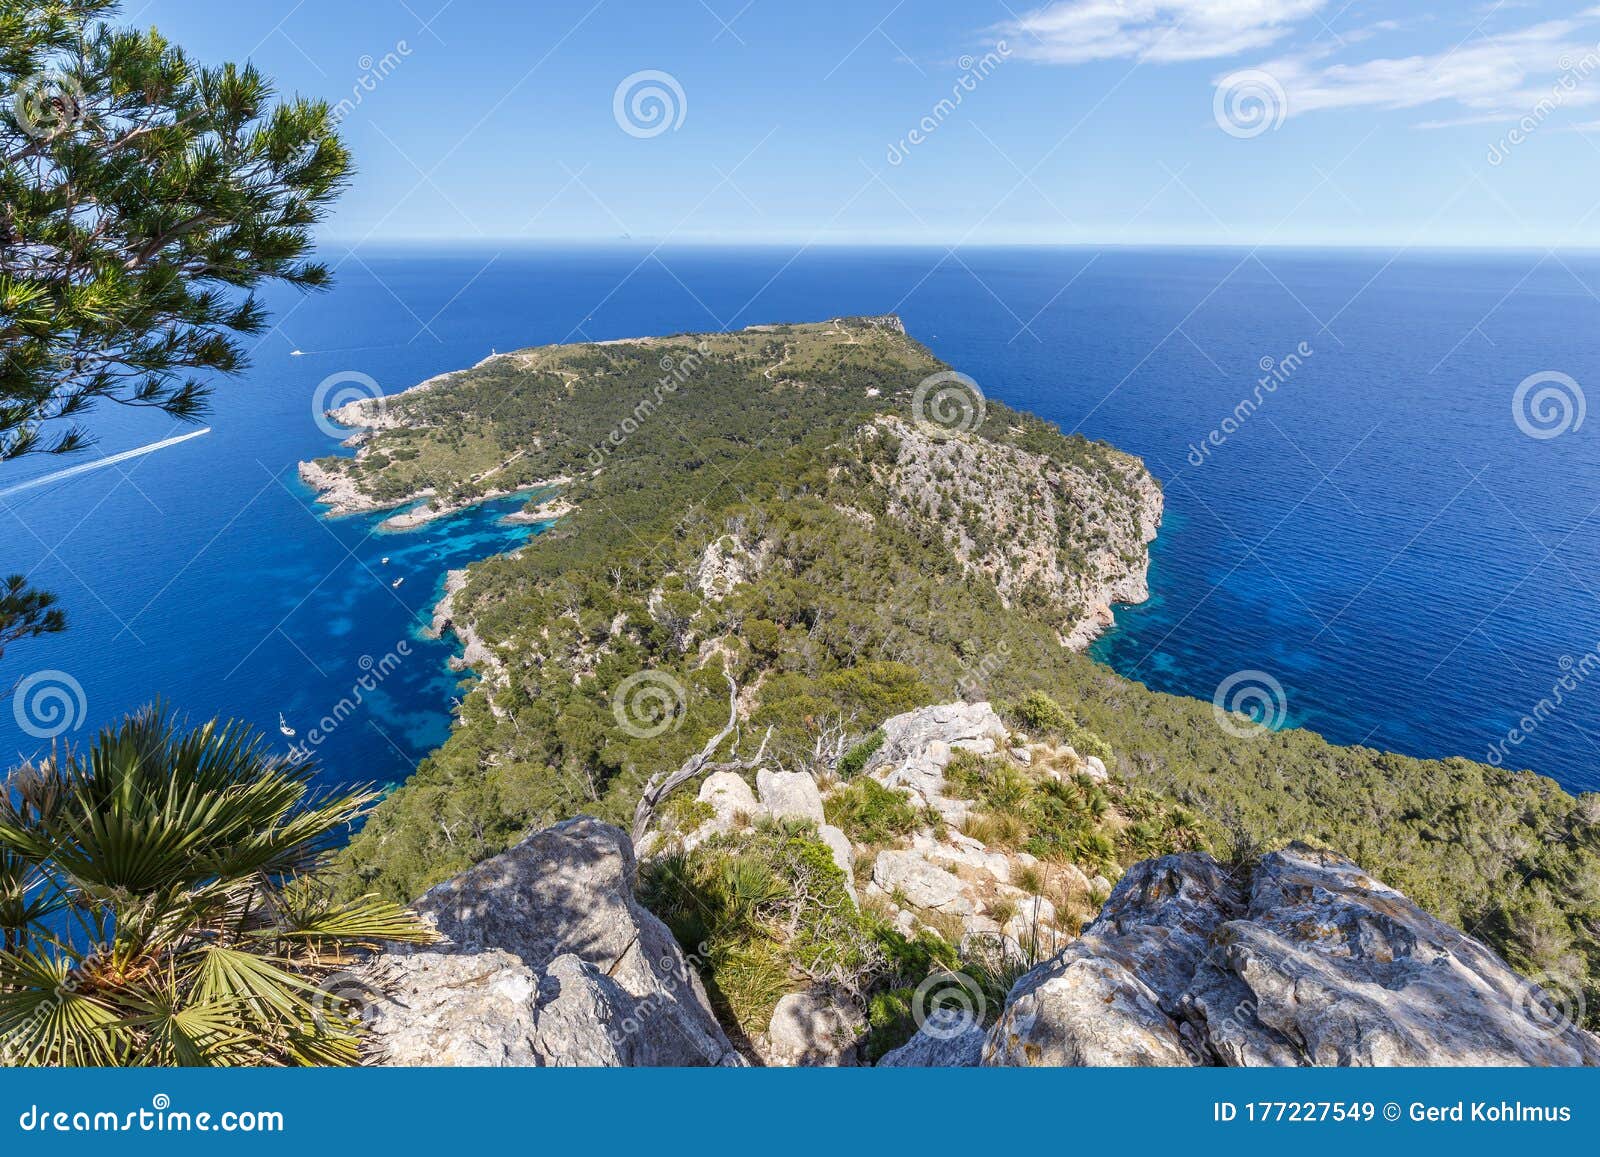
<point x="855" y="760"/>
<point x="1041" y="715"/>
<point x="870" y="813"/>
<point x="1036" y="712"/>
<point x="1086" y="742"/>
<point x="684" y="813"/>
<point x="963" y="775"/>
<point x="890" y="1022"/>
<point x="758" y="908"/>
<point x="1001" y="911"/>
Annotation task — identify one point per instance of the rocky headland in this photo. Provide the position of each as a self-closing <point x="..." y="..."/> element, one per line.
<point x="808" y="649"/>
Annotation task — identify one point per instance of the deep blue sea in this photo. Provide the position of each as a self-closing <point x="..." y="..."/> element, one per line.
<point x="1377" y="532"/>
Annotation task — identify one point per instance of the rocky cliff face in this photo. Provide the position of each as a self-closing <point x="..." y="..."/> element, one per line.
<point x="548" y="960"/>
<point x="1026" y="522"/>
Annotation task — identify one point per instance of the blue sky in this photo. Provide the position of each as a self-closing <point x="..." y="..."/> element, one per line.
<point x="1085" y="121"/>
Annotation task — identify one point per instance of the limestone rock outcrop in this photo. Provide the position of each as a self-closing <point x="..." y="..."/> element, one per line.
<point x="948" y="1038"/>
<point x="789" y="795"/>
<point x="1307" y="960"/>
<point x="547" y="959"/>
<point x="918" y="744"/>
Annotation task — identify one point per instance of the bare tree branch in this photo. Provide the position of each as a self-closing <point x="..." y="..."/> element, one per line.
<point x="663" y="784"/>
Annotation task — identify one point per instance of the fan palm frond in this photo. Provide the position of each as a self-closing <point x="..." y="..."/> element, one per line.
<point x="159" y="905"/>
<point x="46" y="1019"/>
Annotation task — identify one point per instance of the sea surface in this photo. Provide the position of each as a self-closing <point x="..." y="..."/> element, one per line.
<point x="1376" y="533"/>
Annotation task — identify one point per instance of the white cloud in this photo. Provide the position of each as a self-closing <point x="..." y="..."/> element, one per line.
<point x="1078" y="31"/>
<point x="1490" y="77"/>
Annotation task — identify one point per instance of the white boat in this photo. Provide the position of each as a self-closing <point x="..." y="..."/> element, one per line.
<point x="283" y="726"/>
<point x="297" y="353"/>
<point x="384" y="560"/>
<point x="397" y="582"/>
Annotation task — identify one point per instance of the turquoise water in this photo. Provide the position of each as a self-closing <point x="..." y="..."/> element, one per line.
<point x="1379" y="535"/>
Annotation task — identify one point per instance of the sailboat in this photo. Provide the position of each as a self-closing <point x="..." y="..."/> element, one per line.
<point x="283" y="726"/>
<point x="397" y="582"/>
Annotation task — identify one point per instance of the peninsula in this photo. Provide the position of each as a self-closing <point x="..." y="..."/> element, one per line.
<point x="849" y="533"/>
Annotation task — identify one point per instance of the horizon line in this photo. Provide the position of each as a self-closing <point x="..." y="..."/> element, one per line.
<point x="490" y="241"/>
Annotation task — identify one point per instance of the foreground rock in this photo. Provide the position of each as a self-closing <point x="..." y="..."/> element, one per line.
<point x="815" y="1029"/>
<point x="948" y="1038"/>
<point x="548" y="960"/>
<point x="1371" y="980"/>
<point x="1306" y="961"/>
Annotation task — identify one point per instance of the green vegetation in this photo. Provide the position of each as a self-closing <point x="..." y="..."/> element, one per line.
<point x="1055" y="812"/>
<point x="1042" y="716"/>
<point x="765" y="912"/>
<point x="760" y="910"/>
<point x="26" y="612"/>
<point x="611" y="590"/>
<point x="855" y="760"/>
<point x="870" y="813"/>
<point x="158" y="906"/>
<point x="852" y="607"/>
<point x="145" y="197"/>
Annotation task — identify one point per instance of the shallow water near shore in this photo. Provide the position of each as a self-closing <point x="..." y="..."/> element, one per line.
<point x="1379" y="534"/>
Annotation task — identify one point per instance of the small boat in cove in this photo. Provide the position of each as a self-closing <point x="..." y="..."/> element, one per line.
<point x="283" y="726"/>
<point x="397" y="582"/>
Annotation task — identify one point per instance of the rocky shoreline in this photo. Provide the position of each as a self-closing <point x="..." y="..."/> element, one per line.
<point x="1011" y="508"/>
<point x="475" y="652"/>
<point x="1128" y="588"/>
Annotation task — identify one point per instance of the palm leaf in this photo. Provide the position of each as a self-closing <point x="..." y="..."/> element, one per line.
<point x="231" y="974"/>
<point x="45" y="1020"/>
<point x="182" y="857"/>
<point x="308" y="912"/>
<point x="174" y="1030"/>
